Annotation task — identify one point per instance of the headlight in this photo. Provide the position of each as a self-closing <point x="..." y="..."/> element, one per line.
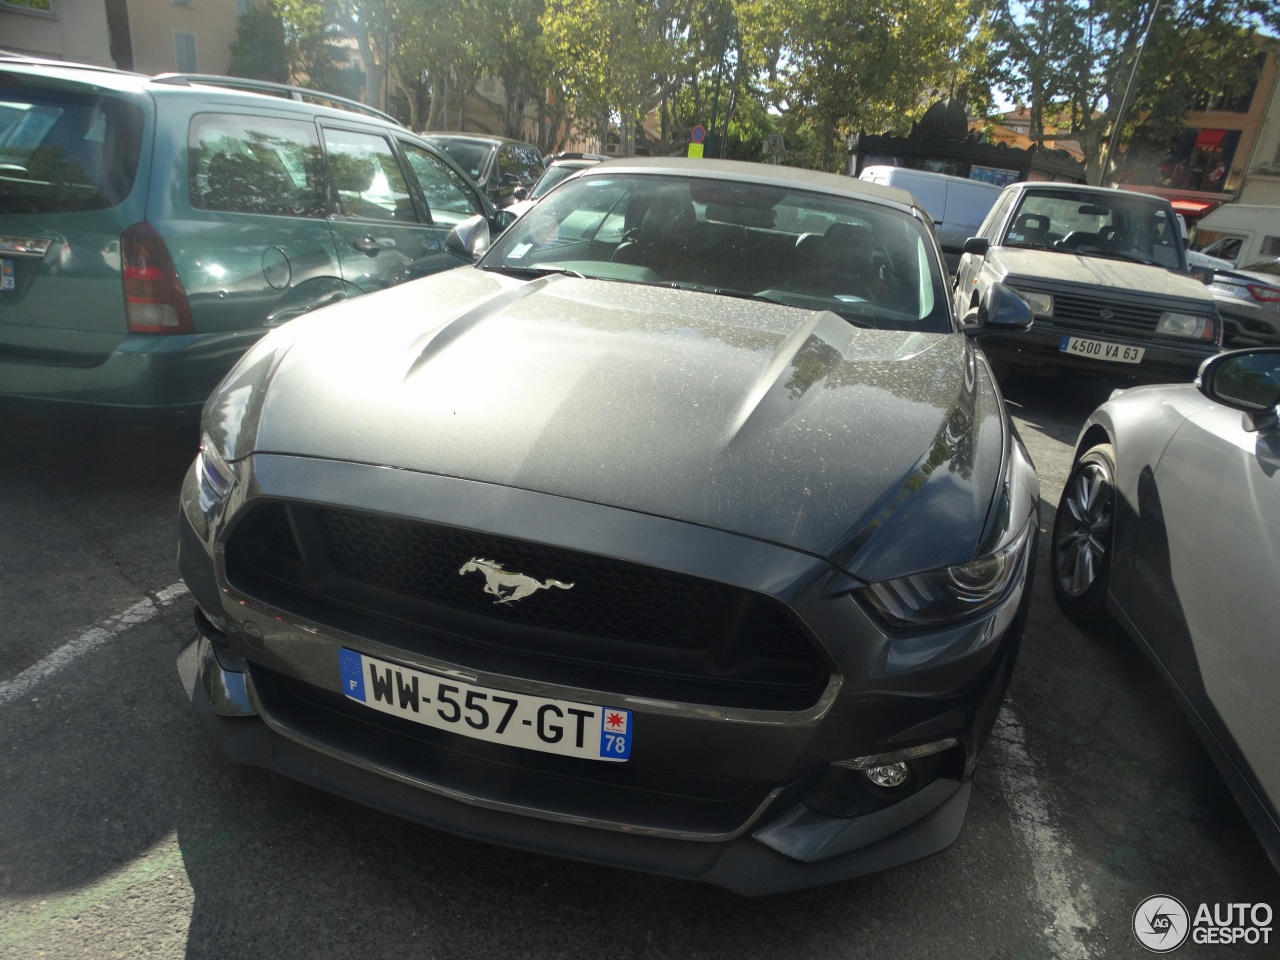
<point x="1186" y="325"/>
<point x="949" y="594"/>
<point x="216" y="475"/>
<point x="1041" y="303"/>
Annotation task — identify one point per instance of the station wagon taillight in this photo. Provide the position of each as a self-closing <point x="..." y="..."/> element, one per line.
<point x="154" y="301"/>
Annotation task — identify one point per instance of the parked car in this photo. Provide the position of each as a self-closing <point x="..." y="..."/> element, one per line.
<point x="1106" y="275"/>
<point x="500" y="167"/>
<point x="958" y="205"/>
<point x="1167" y="524"/>
<point x="559" y="166"/>
<point x="152" y="229"/>
<point x="673" y="536"/>
<point x="1203" y="261"/>
<point x="1241" y="232"/>
<point x="1249" y="301"/>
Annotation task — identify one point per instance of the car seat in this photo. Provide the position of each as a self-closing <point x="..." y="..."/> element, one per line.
<point x="1031" y="229"/>
<point x="662" y="241"/>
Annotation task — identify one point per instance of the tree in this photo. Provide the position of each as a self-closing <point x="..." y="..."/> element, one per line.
<point x="258" y="51"/>
<point x="615" y="60"/>
<point x="1074" y="58"/>
<point x="308" y="34"/>
<point x="837" y="66"/>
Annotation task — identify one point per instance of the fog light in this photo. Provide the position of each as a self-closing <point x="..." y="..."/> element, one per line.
<point x="887" y="775"/>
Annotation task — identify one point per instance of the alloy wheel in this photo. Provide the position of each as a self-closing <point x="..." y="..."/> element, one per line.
<point x="1084" y="535"/>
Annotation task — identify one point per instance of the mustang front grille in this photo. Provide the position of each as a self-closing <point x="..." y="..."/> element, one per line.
<point x="607" y="623"/>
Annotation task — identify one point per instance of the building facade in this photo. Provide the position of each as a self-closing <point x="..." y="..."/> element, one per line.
<point x="149" y="36"/>
<point x="1261" y="182"/>
<point x="1214" y="156"/>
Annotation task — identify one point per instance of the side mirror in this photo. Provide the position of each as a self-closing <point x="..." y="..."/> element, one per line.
<point x="508" y="180"/>
<point x="1001" y="310"/>
<point x="1203" y="274"/>
<point x="1247" y="380"/>
<point x="504" y="218"/>
<point x="977" y="245"/>
<point x="469" y="239"/>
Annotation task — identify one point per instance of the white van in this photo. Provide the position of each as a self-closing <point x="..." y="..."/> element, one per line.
<point x="958" y="206"/>
<point x="1241" y="233"/>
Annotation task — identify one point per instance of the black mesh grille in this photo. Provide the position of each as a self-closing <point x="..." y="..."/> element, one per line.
<point x="1087" y="312"/>
<point x="605" y="622"/>
<point x="272" y="526"/>
<point x="606" y="598"/>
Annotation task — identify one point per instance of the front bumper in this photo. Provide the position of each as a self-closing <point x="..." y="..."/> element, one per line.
<point x="729" y="794"/>
<point x="828" y="849"/>
<point x="1040" y="348"/>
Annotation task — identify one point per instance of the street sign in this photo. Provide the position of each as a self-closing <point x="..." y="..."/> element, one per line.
<point x="699" y="134"/>
<point x="695" y="151"/>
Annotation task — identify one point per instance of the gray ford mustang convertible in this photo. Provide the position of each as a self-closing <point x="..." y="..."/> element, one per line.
<point x="685" y="532"/>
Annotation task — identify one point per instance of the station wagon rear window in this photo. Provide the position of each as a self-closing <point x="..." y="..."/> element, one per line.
<point x="65" y="151"/>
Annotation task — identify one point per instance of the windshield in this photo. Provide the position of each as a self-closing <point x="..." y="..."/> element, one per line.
<point x="555" y="173"/>
<point x="471" y="157"/>
<point x="871" y="264"/>
<point x="1106" y="224"/>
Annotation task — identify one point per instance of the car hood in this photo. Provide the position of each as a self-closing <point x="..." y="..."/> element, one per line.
<point x="781" y="424"/>
<point x="1055" y="267"/>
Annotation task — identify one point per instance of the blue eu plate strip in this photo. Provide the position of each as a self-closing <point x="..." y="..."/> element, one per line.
<point x="352" y="666"/>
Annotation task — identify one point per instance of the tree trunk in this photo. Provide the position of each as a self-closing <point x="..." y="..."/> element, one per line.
<point x="437" y="118"/>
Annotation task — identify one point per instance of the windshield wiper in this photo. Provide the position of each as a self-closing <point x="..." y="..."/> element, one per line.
<point x="535" y="270"/>
<point x="718" y="291"/>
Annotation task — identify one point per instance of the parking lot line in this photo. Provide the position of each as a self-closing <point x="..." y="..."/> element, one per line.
<point x="1068" y="904"/>
<point x="140" y="612"/>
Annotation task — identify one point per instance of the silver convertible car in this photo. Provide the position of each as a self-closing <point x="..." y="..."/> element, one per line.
<point x="1168" y="521"/>
<point x="685" y="532"/>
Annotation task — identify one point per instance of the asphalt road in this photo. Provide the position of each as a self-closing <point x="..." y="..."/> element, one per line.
<point x="124" y="834"/>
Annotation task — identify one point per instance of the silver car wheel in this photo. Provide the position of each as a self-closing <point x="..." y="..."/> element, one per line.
<point x="1084" y="538"/>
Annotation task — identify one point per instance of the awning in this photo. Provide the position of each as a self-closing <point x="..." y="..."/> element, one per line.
<point x="1210" y="138"/>
<point x="1191" y="208"/>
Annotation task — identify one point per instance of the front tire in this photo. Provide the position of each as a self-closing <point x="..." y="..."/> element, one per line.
<point x="1083" y="536"/>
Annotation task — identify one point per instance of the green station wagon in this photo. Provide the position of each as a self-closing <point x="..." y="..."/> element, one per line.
<point x="153" y="228"/>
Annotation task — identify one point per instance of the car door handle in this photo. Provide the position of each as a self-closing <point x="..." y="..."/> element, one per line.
<point x="368" y="245"/>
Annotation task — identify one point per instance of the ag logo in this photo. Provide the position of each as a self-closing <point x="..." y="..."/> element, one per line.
<point x="1161" y="924"/>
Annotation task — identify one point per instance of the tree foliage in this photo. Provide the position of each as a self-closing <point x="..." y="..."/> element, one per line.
<point x="1072" y="60"/>
<point x="838" y="66"/>
<point x="258" y="51"/>
<point x="308" y="35"/>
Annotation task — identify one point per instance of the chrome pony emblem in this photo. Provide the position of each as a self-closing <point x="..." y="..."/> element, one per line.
<point x="498" y="580"/>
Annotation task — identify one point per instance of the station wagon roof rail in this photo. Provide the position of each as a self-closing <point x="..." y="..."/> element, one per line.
<point x="301" y="94"/>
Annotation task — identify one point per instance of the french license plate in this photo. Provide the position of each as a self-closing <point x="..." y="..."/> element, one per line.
<point x="1101" y="350"/>
<point x="498" y="716"/>
<point x="8" y="275"/>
